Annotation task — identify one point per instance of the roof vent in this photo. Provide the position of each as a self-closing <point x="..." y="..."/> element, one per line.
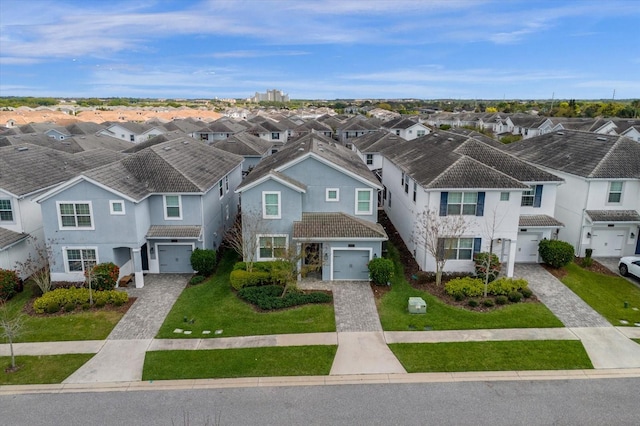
<point x="450" y="139"/>
<point x="300" y="149"/>
<point x="167" y="148"/>
<point x="22" y="148"/>
<point x="185" y="142"/>
<point x="601" y="138"/>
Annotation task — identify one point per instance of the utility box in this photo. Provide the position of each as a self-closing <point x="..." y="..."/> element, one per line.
<point x="417" y="305"/>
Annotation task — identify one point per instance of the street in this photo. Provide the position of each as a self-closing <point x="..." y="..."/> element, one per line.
<point x="561" y="402"/>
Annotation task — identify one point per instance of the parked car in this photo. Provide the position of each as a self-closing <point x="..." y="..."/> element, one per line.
<point x="630" y="265"/>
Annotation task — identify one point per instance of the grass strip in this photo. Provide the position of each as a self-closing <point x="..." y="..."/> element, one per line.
<point x="44" y="369"/>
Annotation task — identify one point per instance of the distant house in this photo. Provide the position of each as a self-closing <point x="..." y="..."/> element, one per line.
<point x="369" y="147"/>
<point x="132" y="132"/>
<point x="406" y="128"/>
<point x="600" y="202"/>
<point x="252" y="148"/>
<point x="146" y="212"/>
<point x="319" y="198"/>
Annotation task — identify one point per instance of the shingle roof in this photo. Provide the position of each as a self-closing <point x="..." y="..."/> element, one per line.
<point x="376" y="141"/>
<point x="538" y="220"/>
<point x="8" y="237"/>
<point x="317" y="145"/>
<point x="244" y="144"/>
<point x="67" y="145"/>
<point x="165" y="137"/>
<point x="19" y="166"/>
<point x="174" y="231"/>
<point x="614" y="215"/>
<point x="579" y="153"/>
<point x="336" y="226"/>
<point x="177" y="166"/>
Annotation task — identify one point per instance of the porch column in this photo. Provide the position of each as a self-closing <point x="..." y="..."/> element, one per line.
<point x="137" y="267"/>
<point x="512" y="257"/>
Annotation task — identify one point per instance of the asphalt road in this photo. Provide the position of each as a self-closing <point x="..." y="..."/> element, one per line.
<point x="561" y="402"/>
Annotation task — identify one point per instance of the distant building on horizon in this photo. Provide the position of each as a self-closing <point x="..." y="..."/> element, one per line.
<point x="271" y="96"/>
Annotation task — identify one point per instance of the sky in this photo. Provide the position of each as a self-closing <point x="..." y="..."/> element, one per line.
<point x="321" y="49"/>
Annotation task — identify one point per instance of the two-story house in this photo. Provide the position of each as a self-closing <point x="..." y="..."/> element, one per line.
<point x="507" y="204"/>
<point x="319" y="198"/>
<point x="600" y="201"/>
<point x="406" y="128"/>
<point x="132" y="132"/>
<point x="145" y="213"/>
<point x="252" y="148"/>
<point x="21" y="230"/>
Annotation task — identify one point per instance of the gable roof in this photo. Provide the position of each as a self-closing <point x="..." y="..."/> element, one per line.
<point x="17" y="164"/>
<point x="376" y="141"/>
<point x="584" y="154"/>
<point x="9" y="238"/>
<point x="244" y="144"/>
<point x="312" y="145"/>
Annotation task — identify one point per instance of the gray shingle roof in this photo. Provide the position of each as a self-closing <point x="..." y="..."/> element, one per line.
<point x="320" y="146"/>
<point x="19" y="166"/>
<point x="538" y="220"/>
<point x="174" y="231"/>
<point x="583" y="154"/>
<point x="376" y="141"/>
<point x="244" y="144"/>
<point x="177" y="166"/>
<point x="336" y="225"/>
<point x="7" y="237"/>
<point x="614" y="215"/>
<point x="67" y="145"/>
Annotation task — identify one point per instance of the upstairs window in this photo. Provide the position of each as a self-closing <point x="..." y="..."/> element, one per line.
<point x="462" y="203"/>
<point x="275" y="136"/>
<point x="415" y="191"/>
<point x="116" y="207"/>
<point x="220" y="188"/>
<point x="6" y="213"/>
<point x="271" y="205"/>
<point x="369" y="159"/>
<point x="528" y="196"/>
<point x="615" y="192"/>
<point x="364" y="199"/>
<point x="172" y="207"/>
<point x="75" y="215"/>
<point x="332" y="194"/>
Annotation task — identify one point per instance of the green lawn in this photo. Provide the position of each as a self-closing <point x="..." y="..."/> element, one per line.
<point x="213" y="305"/>
<point x="441" y="316"/>
<point x="249" y="362"/>
<point x="492" y="356"/>
<point x="73" y="326"/>
<point x="41" y="369"/>
<point x="606" y="294"/>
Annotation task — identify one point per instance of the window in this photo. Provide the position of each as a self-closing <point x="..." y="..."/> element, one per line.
<point x="389" y="199"/>
<point x="226" y="183"/>
<point x="402" y="181"/>
<point x="458" y="248"/>
<point x="132" y="138"/>
<point x="421" y="133"/>
<point x="80" y="259"/>
<point x="75" y="215"/>
<point x="406" y="185"/>
<point x="363" y="201"/>
<point x="615" y="192"/>
<point x="397" y="132"/>
<point x="369" y="159"/>
<point x="275" y="135"/>
<point x="220" y="188"/>
<point x="172" y="207"/>
<point x="116" y="207"/>
<point x="271" y="205"/>
<point x="6" y="213"/>
<point x="272" y="246"/>
<point x="528" y="196"/>
<point x="504" y="196"/>
<point x="415" y="191"/>
<point x="332" y="194"/>
<point x="463" y="203"/>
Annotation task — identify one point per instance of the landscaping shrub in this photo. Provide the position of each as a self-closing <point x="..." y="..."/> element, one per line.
<point x="501" y="300"/>
<point x="8" y="282"/>
<point x="486" y="264"/>
<point x="69" y="307"/>
<point x="526" y="292"/>
<point x="203" y="261"/>
<point x="458" y="296"/>
<point x="240" y="279"/>
<point x="470" y="287"/>
<point x="556" y="253"/>
<point x="104" y="276"/>
<point x="504" y="286"/>
<point x="488" y="303"/>
<point x="586" y="262"/>
<point x="77" y="297"/>
<point x="515" y="296"/>
<point x="380" y="270"/>
<point x="268" y="297"/>
<point x="424" y="277"/>
<point x="197" y="279"/>
<point x="473" y="303"/>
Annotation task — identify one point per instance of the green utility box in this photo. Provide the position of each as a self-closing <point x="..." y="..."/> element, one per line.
<point x="417" y="305"/>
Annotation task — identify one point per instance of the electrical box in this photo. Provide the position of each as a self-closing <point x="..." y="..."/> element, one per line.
<point x="417" y="305"/>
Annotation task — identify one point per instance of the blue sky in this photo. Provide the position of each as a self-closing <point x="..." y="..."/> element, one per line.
<point x="321" y="49"/>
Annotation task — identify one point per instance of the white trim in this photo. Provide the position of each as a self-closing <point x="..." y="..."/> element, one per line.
<point x="264" y="205"/>
<point x="164" y="206"/>
<point x="65" y="258"/>
<point x="11" y="210"/>
<point x="370" y="211"/>
<point x="332" y="200"/>
<point x="114" y="212"/>
<point x="258" y="236"/>
<point x="273" y="177"/>
<point x="621" y="192"/>
<point x="226" y="184"/>
<point x="59" y="188"/>
<point x="75" y="228"/>
<point x="333" y="249"/>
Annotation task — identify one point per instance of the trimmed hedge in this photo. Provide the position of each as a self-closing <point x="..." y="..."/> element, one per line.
<point x="474" y="287"/>
<point x="504" y="286"/>
<point x="268" y="297"/>
<point x="556" y="253"/>
<point x="240" y="279"/>
<point x="203" y="261"/>
<point x="380" y="270"/>
<point x="197" y="279"/>
<point x="8" y="282"/>
<point x="263" y="273"/>
<point x="54" y="300"/>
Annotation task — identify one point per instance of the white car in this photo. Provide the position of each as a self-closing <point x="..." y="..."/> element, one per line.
<point x="629" y="265"/>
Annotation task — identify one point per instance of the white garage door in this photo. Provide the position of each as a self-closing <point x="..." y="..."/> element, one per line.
<point x="607" y="242"/>
<point x="175" y="258"/>
<point x="350" y="265"/>
<point x="527" y="247"/>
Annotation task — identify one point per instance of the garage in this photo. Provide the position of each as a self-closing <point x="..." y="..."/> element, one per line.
<point x="351" y="265"/>
<point x="527" y="247"/>
<point x="175" y="258"/>
<point x="607" y="242"/>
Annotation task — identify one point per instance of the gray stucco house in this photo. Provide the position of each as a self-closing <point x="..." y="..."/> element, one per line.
<point x="145" y="213"/>
<point x="319" y="197"/>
